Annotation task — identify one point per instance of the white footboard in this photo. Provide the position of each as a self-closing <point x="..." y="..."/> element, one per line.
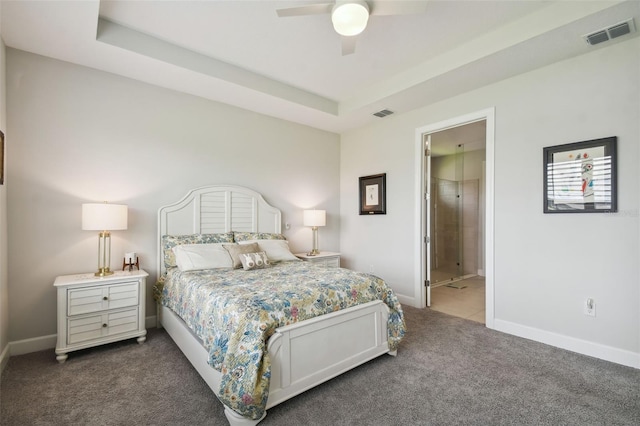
<point x="310" y="352"/>
<point x="302" y="355"/>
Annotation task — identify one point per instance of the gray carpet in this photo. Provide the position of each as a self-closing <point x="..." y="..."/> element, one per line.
<point x="449" y="371"/>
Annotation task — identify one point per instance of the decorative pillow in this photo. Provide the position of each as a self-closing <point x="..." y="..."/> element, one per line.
<point x="170" y="241"/>
<point x="193" y="257"/>
<point x="246" y="236"/>
<point x="235" y="250"/>
<point x="276" y="250"/>
<point x="254" y="260"/>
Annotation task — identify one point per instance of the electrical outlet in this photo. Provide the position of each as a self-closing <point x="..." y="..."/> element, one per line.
<point x="371" y="269"/>
<point x="590" y="307"/>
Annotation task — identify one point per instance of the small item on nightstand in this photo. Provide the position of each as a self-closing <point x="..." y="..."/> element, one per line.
<point x="130" y="260"/>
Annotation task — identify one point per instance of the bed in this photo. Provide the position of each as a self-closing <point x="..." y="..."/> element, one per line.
<point x="306" y="348"/>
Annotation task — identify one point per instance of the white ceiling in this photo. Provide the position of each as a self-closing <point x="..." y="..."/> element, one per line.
<point x="240" y="53"/>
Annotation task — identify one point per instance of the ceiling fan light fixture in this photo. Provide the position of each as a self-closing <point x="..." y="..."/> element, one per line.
<point x="350" y="18"/>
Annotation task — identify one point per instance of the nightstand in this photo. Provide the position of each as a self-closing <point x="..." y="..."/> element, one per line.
<point x="94" y="310"/>
<point x="326" y="258"/>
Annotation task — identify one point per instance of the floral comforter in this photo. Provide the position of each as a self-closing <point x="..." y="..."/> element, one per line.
<point x="234" y="312"/>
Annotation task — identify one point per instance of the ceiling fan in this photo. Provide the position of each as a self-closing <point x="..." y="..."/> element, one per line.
<point x="350" y="17"/>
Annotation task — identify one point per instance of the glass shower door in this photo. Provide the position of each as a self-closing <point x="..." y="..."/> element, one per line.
<point x="447" y="197"/>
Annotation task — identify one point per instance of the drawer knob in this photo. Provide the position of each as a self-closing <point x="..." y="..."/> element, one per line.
<point x="105" y="298"/>
<point x="104" y="325"/>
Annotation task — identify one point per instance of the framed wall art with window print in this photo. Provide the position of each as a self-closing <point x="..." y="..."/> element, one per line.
<point x="373" y="194"/>
<point x="580" y="177"/>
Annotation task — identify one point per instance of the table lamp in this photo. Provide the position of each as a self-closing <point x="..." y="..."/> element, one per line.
<point x="314" y="218"/>
<point x="104" y="217"/>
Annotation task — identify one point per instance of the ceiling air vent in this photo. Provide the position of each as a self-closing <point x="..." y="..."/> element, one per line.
<point x="383" y="113"/>
<point x="612" y="32"/>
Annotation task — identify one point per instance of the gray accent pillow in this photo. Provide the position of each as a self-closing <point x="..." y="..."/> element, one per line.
<point x="235" y="250"/>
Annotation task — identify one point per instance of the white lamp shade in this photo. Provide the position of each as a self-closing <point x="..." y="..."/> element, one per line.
<point x="104" y="217"/>
<point x="350" y="18"/>
<point x="314" y="218"/>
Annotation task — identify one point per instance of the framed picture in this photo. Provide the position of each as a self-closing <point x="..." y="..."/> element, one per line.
<point x="580" y="177"/>
<point x="373" y="194"/>
<point x="1" y="158"/>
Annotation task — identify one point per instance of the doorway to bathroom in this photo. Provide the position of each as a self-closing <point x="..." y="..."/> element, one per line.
<point x="456" y="182"/>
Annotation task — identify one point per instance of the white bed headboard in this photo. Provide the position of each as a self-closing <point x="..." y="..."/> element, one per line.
<point x="215" y="209"/>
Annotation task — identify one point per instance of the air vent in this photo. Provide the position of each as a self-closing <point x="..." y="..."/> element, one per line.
<point x="599" y="37"/>
<point x="619" y="30"/>
<point x="383" y="113"/>
<point x="609" y="33"/>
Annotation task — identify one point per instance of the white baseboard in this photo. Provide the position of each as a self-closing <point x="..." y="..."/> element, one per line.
<point x="35" y="344"/>
<point x="584" y="347"/>
<point x="150" y="322"/>
<point x="43" y="343"/>
<point x="4" y="358"/>
<point x="406" y="300"/>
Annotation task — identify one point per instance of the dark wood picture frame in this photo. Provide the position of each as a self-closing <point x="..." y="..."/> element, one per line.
<point x="581" y="177"/>
<point x="1" y="157"/>
<point x="373" y="194"/>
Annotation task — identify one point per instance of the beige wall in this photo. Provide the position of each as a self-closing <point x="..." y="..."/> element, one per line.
<point x="4" y="288"/>
<point x="546" y="265"/>
<point x="80" y="135"/>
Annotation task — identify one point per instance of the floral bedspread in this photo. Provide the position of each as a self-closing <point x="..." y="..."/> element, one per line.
<point x="234" y="312"/>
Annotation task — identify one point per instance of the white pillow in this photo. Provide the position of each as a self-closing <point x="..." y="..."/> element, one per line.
<point x="276" y="250"/>
<point x="193" y="257"/>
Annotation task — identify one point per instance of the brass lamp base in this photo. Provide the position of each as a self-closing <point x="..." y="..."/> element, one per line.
<point x="103" y="272"/>
<point x="314" y="251"/>
<point x="104" y="254"/>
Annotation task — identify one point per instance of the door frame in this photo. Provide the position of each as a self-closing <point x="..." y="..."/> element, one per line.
<point x="426" y="218"/>
<point x="420" y="290"/>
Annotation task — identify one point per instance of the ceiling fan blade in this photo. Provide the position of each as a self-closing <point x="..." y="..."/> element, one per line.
<point x="397" y="7"/>
<point x="312" y="9"/>
<point x="348" y="45"/>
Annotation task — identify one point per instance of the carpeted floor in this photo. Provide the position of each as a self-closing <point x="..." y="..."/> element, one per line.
<point x="449" y="371"/>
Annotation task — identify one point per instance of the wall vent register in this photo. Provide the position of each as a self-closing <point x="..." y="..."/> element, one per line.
<point x="383" y="113"/>
<point x="609" y="33"/>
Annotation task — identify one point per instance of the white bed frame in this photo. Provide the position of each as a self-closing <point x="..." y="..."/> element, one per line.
<point x="304" y="354"/>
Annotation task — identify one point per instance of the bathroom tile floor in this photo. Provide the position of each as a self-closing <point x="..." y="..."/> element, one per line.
<point x="468" y="302"/>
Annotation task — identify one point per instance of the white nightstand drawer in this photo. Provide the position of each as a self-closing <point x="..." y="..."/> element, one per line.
<point x="95" y="299"/>
<point x="325" y="258"/>
<point x="329" y="262"/>
<point x="82" y="329"/>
